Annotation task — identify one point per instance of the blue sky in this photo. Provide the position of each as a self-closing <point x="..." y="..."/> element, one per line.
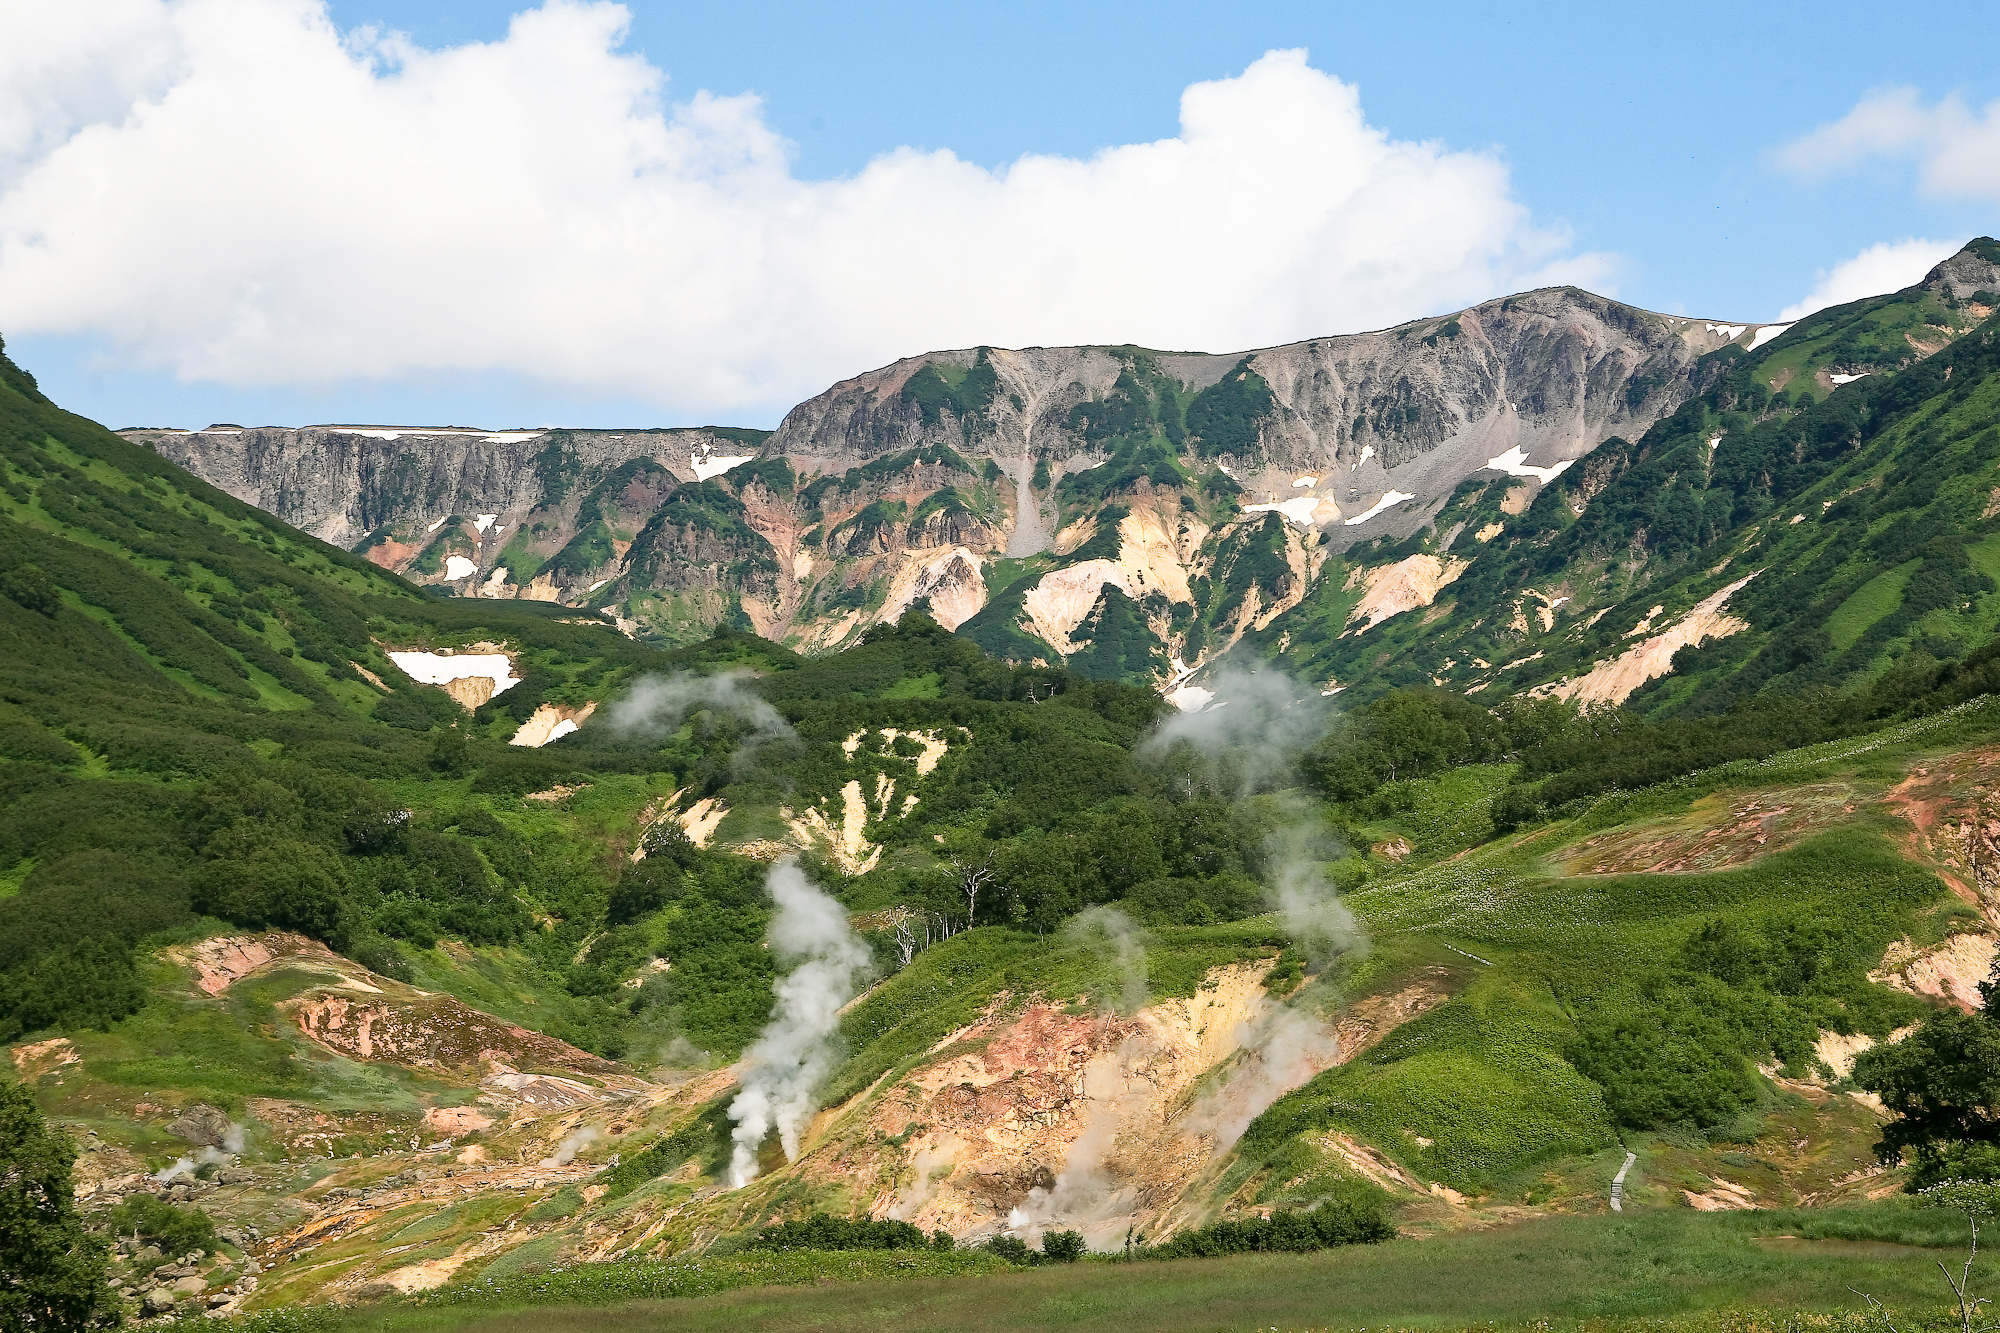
<point x="1647" y="138"/>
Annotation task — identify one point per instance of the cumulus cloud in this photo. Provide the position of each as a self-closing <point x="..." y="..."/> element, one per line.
<point x="238" y="192"/>
<point x="1886" y="266"/>
<point x="1956" y="147"/>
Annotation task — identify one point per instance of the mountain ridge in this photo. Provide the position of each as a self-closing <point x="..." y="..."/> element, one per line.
<point x="1347" y="436"/>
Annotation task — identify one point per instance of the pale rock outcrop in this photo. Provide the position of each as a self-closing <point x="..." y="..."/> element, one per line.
<point x="1611" y="681"/>
<point x="551" y="722"/>
<point x="1411" y="582"/>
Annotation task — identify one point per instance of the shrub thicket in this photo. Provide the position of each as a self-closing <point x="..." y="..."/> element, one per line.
<point x="1335" y="1222"/>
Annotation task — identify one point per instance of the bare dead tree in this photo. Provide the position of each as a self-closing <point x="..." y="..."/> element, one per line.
<point x="906" y="941"/>
<point x="1977" y="1199"/>
<point x="972" y="881"/>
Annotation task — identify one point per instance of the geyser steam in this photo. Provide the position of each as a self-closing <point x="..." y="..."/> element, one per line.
<point x="1247" y="740"/>
<point x="797" y="1048"/>
<point x="1249" y="735"/>
<point x="659" y="704"/>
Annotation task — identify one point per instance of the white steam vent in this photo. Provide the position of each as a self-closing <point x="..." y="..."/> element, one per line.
<point x="799" y="1046"/>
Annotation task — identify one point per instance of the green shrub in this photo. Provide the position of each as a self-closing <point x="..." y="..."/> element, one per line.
<point x="823" y="1231"/>
<point x="1011" y="1248"/>
<point x="1062" y="1247"/>
<point x="176" y="1231"/>
<point x="1337" y="1222"/>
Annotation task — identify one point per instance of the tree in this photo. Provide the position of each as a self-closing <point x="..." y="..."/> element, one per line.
<point x="51" y="1269"/>
<point x="1943" y="1086"/>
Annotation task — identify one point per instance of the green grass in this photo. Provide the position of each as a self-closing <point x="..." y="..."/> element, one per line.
<point x="1557" y="1271"/>
<point x="1006" y="571"/>
<point x="1868" y="604"/>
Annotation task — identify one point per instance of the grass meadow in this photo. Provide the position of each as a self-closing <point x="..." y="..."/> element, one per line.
<point x="1739" y="1272"/>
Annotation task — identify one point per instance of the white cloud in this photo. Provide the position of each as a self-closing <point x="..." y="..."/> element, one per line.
<point x="236" y="192"/>
<point x="1956" y="148"/>
<point x="1886" y="266"/>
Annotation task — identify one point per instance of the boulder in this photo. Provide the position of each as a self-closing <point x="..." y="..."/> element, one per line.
<point x="203" y="1125"/>
<point x="190" y="1286"/>
<point x="159" y="1300"/>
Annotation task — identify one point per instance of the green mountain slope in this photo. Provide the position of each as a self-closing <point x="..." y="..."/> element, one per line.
<point x="471" y="1006"/>
<point x="1809" y="533"/>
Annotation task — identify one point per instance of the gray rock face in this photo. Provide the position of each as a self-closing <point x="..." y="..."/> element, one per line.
<point x="342" y="483"/>
<point x="1972" y="270"/>
<point x="917" y="473"/>
<point x="1552" y="373"/>
<point x="203" y="1125"/>
<point x="1413" y="409"/>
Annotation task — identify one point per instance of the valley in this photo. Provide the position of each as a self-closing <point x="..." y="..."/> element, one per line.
<point x="1405" y="776"/>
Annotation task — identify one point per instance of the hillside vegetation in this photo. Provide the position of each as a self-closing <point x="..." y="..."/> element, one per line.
<point x="413" y="1013"/>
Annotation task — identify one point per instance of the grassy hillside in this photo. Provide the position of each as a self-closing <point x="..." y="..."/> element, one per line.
<point x="1820" y="515"/>
<point x="470" y="1006"/>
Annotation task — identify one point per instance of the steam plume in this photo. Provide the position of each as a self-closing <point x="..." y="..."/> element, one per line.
<point x="232" y="1147"/>
<point x="1282" y="1051"/>
<point x="1122" y="940"/>
<point x="567" y="1150"/>
<point x="1084" y="1193"/>
<point x="1295" y="879"/>
<point x="659" y="704"/>
<point x="1249" y="735"/>
<point x="785" y="1066"/>
<point x="933" y="1163"/>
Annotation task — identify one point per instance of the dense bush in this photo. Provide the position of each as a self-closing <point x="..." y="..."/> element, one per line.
<point x="176" y="1230"/>
<point x="1336" y="1222"/>
<point x="822" y="1231"/>
<point x="1942" y="1085"/>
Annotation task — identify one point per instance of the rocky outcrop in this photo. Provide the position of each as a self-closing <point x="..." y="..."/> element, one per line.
<point x="342" y="483"/>
<point x="1235" y="477"/>
<point x="1411" y="409"/>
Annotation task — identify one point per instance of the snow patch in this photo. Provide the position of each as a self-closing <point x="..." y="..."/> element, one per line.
<point x="1729" y="331"/>
<point x="444" y="668"/>
<point x="1190" y="698"/>
<point x="1849" y="379"/>
<point x="484" y="521"/>
<point x="551" y="722"/>
<point x="1367" y="452"/>
<point x="707" y="463"/>
<point x="1299" y="511"/>
<point x="457" y="567"/>
<point x="1389" y="501"/>
<point x="397" y="432"/>
<point x="595" y="586"/>
<point x="1306" y="481"/>
<point x="433" y="527"/>
<point x="1766" y="334"/>
<point x="1515" y="464"/>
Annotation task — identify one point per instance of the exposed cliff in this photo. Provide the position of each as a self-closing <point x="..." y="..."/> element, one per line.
<point x="1141" y="508"/>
